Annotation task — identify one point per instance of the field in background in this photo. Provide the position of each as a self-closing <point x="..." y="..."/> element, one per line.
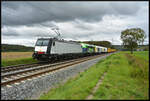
<point x="15" y="55"/>
<point x="15" y="58"/>
<point x="127" y="78"/>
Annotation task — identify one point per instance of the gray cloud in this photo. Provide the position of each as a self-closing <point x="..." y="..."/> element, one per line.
<point x="26" y="13"/>
<point x="125" y="8"/>
<point x="76" y="20"/>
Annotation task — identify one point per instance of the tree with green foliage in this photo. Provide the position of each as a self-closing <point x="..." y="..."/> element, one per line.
<point x="132" y="38"/>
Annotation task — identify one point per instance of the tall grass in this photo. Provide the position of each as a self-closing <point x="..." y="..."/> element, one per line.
<point x="142" y="54"/>
<point x="127" y="78"/>
<point x="139" y="68"/>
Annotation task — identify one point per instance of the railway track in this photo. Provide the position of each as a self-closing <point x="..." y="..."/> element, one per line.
<point x="18" y="67"/>
<point x="33" y="71"/>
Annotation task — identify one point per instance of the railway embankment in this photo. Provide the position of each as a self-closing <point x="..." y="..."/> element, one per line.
<point x="32" y="88"/>
<point x="126" y="77"/>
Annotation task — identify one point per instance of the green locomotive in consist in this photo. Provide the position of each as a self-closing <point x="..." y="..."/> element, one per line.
<point x="87" y="48"/>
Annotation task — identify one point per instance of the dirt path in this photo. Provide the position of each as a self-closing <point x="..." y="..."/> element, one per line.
<point x="96" y="87"/>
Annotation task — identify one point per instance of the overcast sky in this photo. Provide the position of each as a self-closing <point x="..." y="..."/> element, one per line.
<point x="23" y="22"/>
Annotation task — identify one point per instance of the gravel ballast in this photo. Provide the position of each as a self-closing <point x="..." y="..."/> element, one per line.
<point x="32" y="88"/>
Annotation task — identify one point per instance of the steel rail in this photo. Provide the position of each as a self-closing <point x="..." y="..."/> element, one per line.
<point x="16" y="66"/>
<point x="24" y="70"/>
<point x="47" y="70"/>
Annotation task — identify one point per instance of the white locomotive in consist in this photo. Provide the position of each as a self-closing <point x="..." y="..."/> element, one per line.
<point x="55" y="49"/>
<point x="52" y="48"/>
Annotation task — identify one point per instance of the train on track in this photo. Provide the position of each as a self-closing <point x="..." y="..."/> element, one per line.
<point x="59" y="49"/>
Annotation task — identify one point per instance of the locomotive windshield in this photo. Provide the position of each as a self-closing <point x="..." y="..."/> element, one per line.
<point x="42" y="42"/>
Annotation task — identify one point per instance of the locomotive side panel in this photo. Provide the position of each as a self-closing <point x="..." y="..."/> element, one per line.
<point x="65" y="48"/>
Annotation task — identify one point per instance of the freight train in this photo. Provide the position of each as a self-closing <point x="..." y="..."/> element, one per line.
<point x="58" y="49"/>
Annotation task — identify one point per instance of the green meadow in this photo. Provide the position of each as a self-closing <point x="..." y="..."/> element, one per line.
<point x="126" y="78"/>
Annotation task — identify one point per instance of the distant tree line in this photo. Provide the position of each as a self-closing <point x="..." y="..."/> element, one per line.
<point x="100" y="43"/>
<point x="16" y="48"/>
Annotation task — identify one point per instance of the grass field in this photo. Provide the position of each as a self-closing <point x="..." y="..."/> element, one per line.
<point x="142" y="54"/>
<point x="15" y="58"/>
<point x="126" y="78"/>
